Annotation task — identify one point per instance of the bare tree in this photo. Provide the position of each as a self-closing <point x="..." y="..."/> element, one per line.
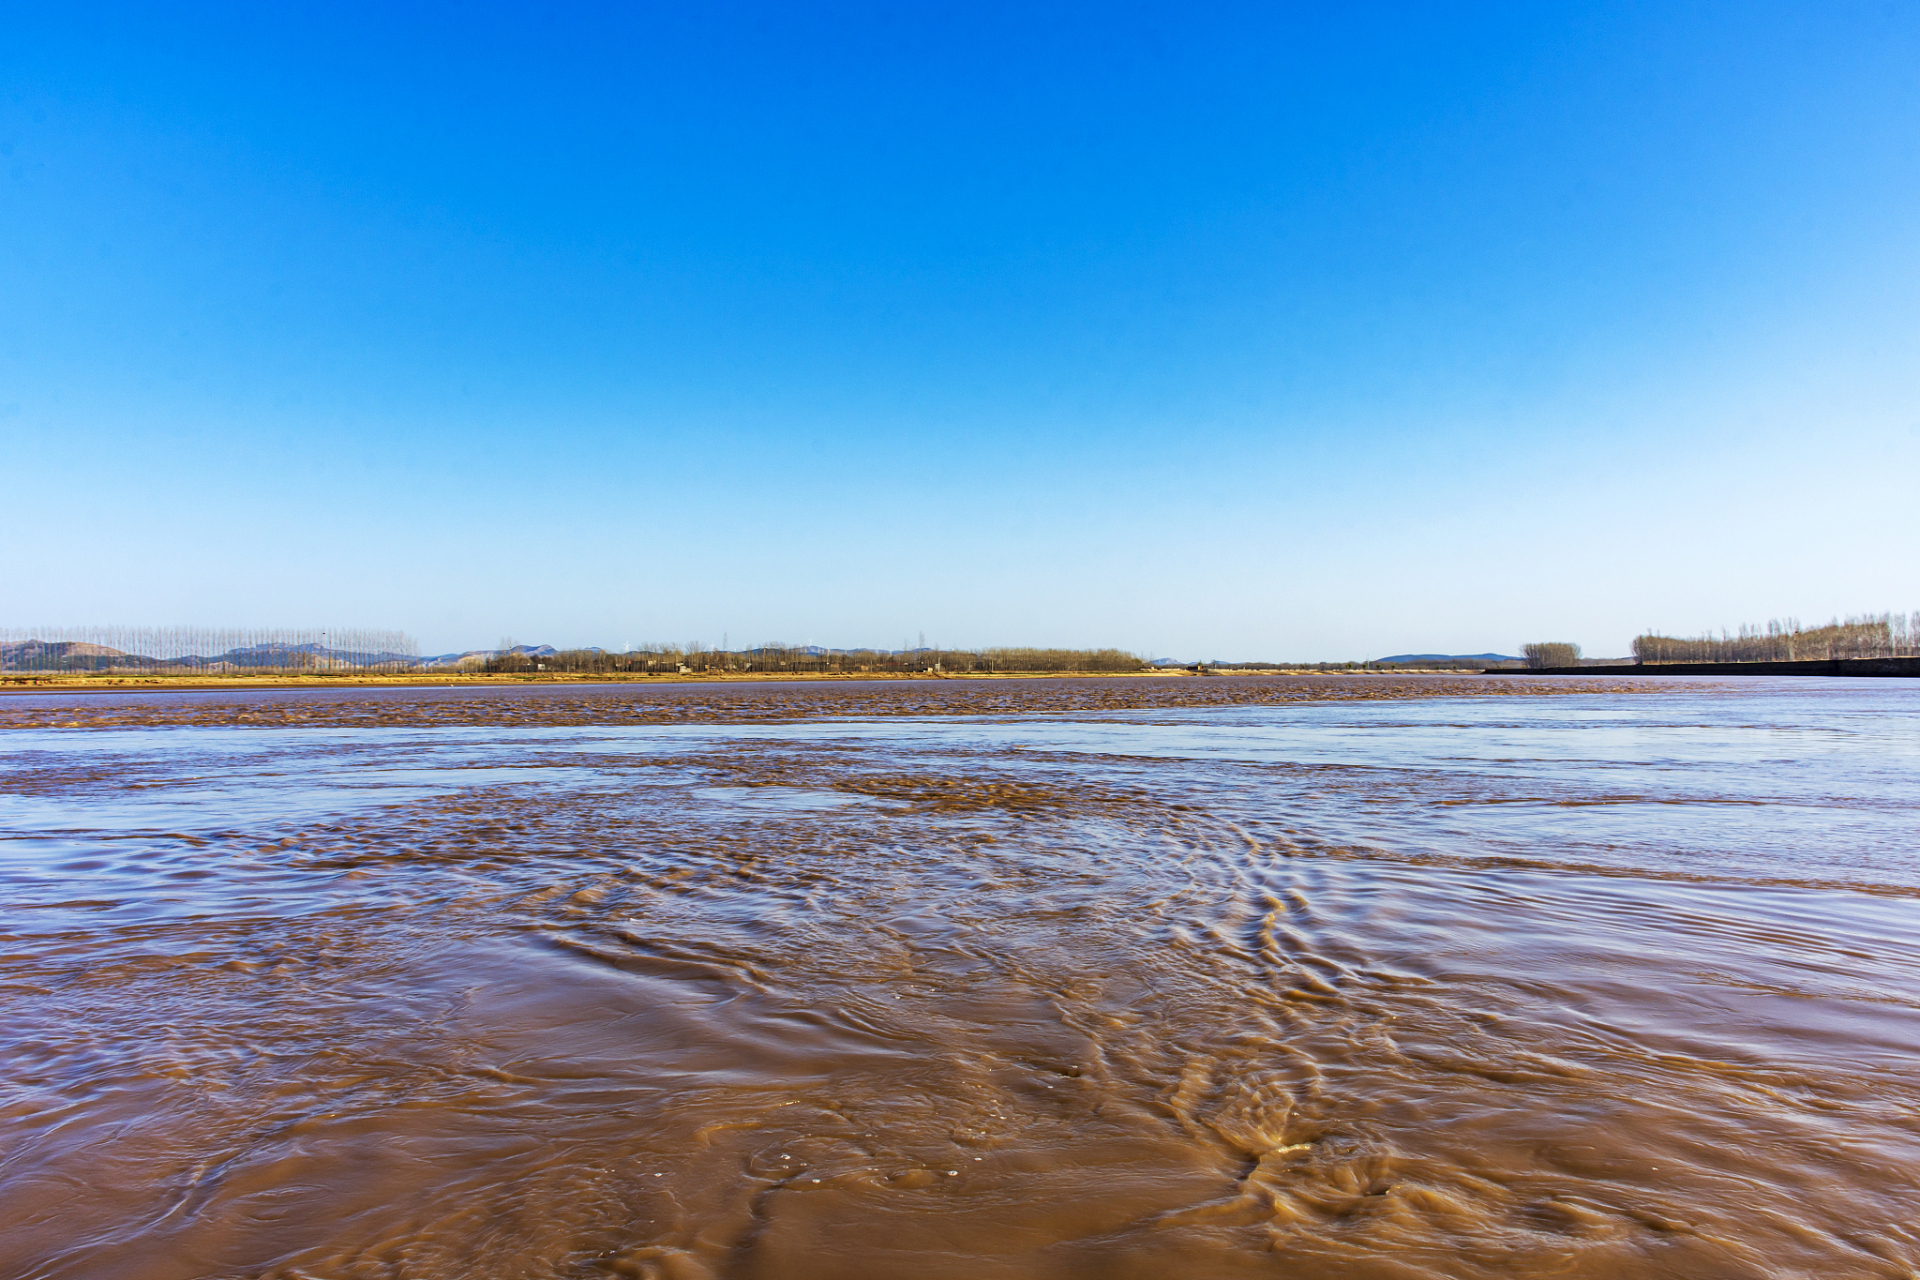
<point x="1886" y="635"/>
<point x="1551" y="653"/>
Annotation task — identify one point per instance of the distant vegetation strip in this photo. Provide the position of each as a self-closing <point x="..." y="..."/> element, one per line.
<point x="807" y="659"/>
<point x="213" y="651"/>
<point x="1886" y="635"/>
<point x="773" y="658"/>
<point x="206" y="651"/>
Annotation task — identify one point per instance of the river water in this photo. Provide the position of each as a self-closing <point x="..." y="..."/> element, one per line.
<point x="1315" y="977"/>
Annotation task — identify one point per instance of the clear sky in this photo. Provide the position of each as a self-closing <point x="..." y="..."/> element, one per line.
<point x="1261" y="331"/>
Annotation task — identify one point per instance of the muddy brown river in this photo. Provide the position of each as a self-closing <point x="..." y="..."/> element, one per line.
<point x="1319" y="977"/>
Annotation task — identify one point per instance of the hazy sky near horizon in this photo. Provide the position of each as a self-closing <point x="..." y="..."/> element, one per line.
<point x="1239" y="331"/>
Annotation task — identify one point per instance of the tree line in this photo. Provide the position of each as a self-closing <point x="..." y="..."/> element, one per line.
<point x="778" y="658"/>
<point x="1886" y="635"/>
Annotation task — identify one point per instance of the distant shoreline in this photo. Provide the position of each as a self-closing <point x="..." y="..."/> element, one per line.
<point x="66" y="682"/>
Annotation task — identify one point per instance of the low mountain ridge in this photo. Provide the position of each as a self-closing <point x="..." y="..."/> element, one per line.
<point x="1401" y="659"/>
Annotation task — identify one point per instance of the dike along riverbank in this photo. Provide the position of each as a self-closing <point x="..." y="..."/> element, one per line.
<point x="1823" y="667"/>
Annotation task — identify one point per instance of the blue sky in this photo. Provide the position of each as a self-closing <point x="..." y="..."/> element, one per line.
<point x="1238" y="331"/>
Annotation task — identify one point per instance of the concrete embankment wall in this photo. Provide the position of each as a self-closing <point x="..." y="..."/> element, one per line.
<point x="1825" y="667"/>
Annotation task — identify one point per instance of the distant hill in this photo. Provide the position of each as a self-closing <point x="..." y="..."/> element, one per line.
<point x="1407" y="659"/>
<point x="486" y="655"/>
<point x="75" y="655"/>
<point x="25" y="650"/>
